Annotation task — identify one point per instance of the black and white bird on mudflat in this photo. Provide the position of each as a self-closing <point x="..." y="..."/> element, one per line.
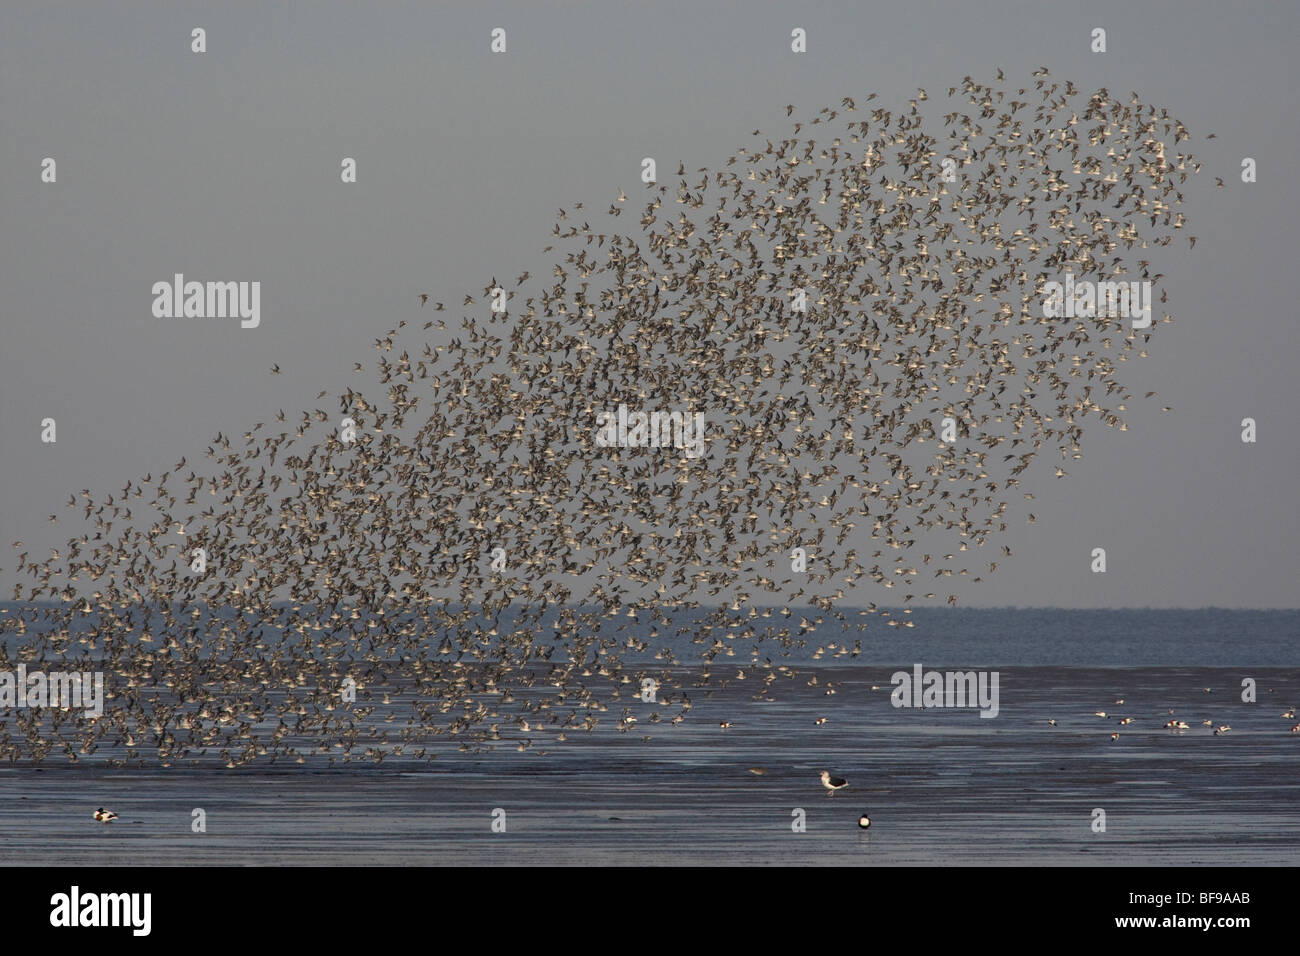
<point x="833" y="783"/>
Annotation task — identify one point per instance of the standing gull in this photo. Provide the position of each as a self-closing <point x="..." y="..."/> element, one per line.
<point x="833" y="783"/>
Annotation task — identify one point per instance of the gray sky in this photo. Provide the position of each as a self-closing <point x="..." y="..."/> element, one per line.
<point x="225" y="165"/>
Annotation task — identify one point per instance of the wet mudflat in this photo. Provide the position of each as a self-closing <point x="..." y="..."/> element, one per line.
<point x="942" y="786"/>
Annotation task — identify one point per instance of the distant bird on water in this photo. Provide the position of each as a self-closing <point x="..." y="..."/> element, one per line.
<point x="864" y="821"/>
<point x="105" y="816"/>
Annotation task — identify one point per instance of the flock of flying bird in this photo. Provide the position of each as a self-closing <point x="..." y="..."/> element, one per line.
<point x="472" y="564"/>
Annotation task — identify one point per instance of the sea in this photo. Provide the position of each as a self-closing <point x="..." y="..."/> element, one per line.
<point x="940" y="785"/>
